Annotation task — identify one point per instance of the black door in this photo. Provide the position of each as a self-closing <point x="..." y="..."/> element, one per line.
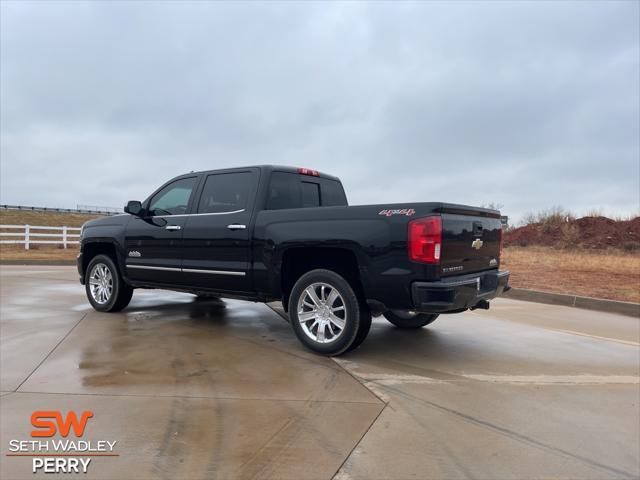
<point x="154" y="242"/>
<point x="217" y="235"/>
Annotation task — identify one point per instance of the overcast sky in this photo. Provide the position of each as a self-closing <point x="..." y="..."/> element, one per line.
<point x="528" y="105"/>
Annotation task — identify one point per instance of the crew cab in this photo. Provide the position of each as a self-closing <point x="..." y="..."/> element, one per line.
<point x="268" y="233"/>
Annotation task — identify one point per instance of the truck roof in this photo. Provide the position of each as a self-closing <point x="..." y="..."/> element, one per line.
<point x="273" y="168"/>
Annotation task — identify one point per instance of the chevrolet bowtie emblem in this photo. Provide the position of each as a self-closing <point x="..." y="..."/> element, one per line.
<point x="477" y="244"/>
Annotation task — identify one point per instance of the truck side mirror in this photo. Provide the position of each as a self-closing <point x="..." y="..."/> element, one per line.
<point x="134" y="207"/>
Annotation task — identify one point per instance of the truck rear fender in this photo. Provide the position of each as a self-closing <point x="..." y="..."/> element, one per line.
<point x="297" y="261"/>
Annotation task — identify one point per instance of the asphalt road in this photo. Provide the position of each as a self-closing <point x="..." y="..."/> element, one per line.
<point x="193" y="389"/>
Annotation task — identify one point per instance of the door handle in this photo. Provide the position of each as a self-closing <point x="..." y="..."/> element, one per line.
<point x="172" y="227"/>
<point x="236" y="226"/>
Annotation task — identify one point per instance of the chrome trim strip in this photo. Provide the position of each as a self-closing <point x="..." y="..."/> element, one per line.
<point x="149" y="267"/>
<point x="197" y="214"/>
<point x="187" y="270"/>
<point x="213" y="272"/>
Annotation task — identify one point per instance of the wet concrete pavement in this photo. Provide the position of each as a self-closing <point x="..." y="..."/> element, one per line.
<point x="193" y="389"/>
<point x="481" y="397"/>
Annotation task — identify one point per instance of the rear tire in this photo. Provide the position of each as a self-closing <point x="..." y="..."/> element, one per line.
<point x="365" y="326"/>
<point x="105" y="288"/>
<point x="326" y="314"/>
<point x="406" y="319"/>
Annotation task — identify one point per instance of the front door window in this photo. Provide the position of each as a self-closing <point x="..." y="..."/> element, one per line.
<point x="172" y="199"/>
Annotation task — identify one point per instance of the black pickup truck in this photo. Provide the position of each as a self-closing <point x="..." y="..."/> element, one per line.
<point x="269" y="233"/>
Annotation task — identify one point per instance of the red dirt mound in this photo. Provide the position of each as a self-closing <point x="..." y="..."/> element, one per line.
<point x="585" y="232"/>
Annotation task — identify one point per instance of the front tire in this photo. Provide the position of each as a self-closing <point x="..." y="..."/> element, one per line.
<point x="409" y="320"/>
<point x="106" y="290"/>
<point x="326" y="314"/>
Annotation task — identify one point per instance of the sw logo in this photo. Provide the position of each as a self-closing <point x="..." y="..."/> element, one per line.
<point x="48" y="427"/>
<point x="61" y="455"/>
<point x="47" y="424"/>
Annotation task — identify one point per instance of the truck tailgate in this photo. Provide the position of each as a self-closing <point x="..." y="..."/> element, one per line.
<point x="470" y="243"/>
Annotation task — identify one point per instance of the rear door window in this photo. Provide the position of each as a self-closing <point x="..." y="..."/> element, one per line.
<point x="284" y="191"/>
<point x="225" y="192"/>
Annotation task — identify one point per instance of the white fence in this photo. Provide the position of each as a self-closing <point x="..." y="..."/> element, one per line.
<point x="81" y="209"/>
<point x="33" y="234"/>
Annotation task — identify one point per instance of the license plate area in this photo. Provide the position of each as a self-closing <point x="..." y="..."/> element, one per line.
<point x="486" y="283"/>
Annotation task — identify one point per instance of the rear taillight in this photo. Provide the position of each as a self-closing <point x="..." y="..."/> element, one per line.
<point x="501" y="240"/>
<point x="425" y="239"/>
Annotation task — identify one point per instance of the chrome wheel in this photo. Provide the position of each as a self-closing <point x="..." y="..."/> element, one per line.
<point x="101" y="283"/>
<point x="322" y="312"/>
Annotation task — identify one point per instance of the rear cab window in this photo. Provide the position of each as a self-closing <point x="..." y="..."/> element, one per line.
<point x="310" y="194"/>
<point x="291" y="190"/>
<point x="332" y="193"/>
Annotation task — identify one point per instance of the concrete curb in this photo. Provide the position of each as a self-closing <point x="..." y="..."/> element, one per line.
<point x="588" y="303"/>
<point x="39" y="262"/>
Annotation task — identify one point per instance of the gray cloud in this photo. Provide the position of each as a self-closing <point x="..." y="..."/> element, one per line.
<point x="525" y="104"/>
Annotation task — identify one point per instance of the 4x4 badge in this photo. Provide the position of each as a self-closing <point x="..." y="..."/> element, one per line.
<point x="477" y="244"/>
<point x="134" y="253"/>
<point x="400" y="211"/>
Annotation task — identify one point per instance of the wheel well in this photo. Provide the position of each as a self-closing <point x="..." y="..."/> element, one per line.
<point x="298" y="261"/>
<point x="90" y="250"/>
